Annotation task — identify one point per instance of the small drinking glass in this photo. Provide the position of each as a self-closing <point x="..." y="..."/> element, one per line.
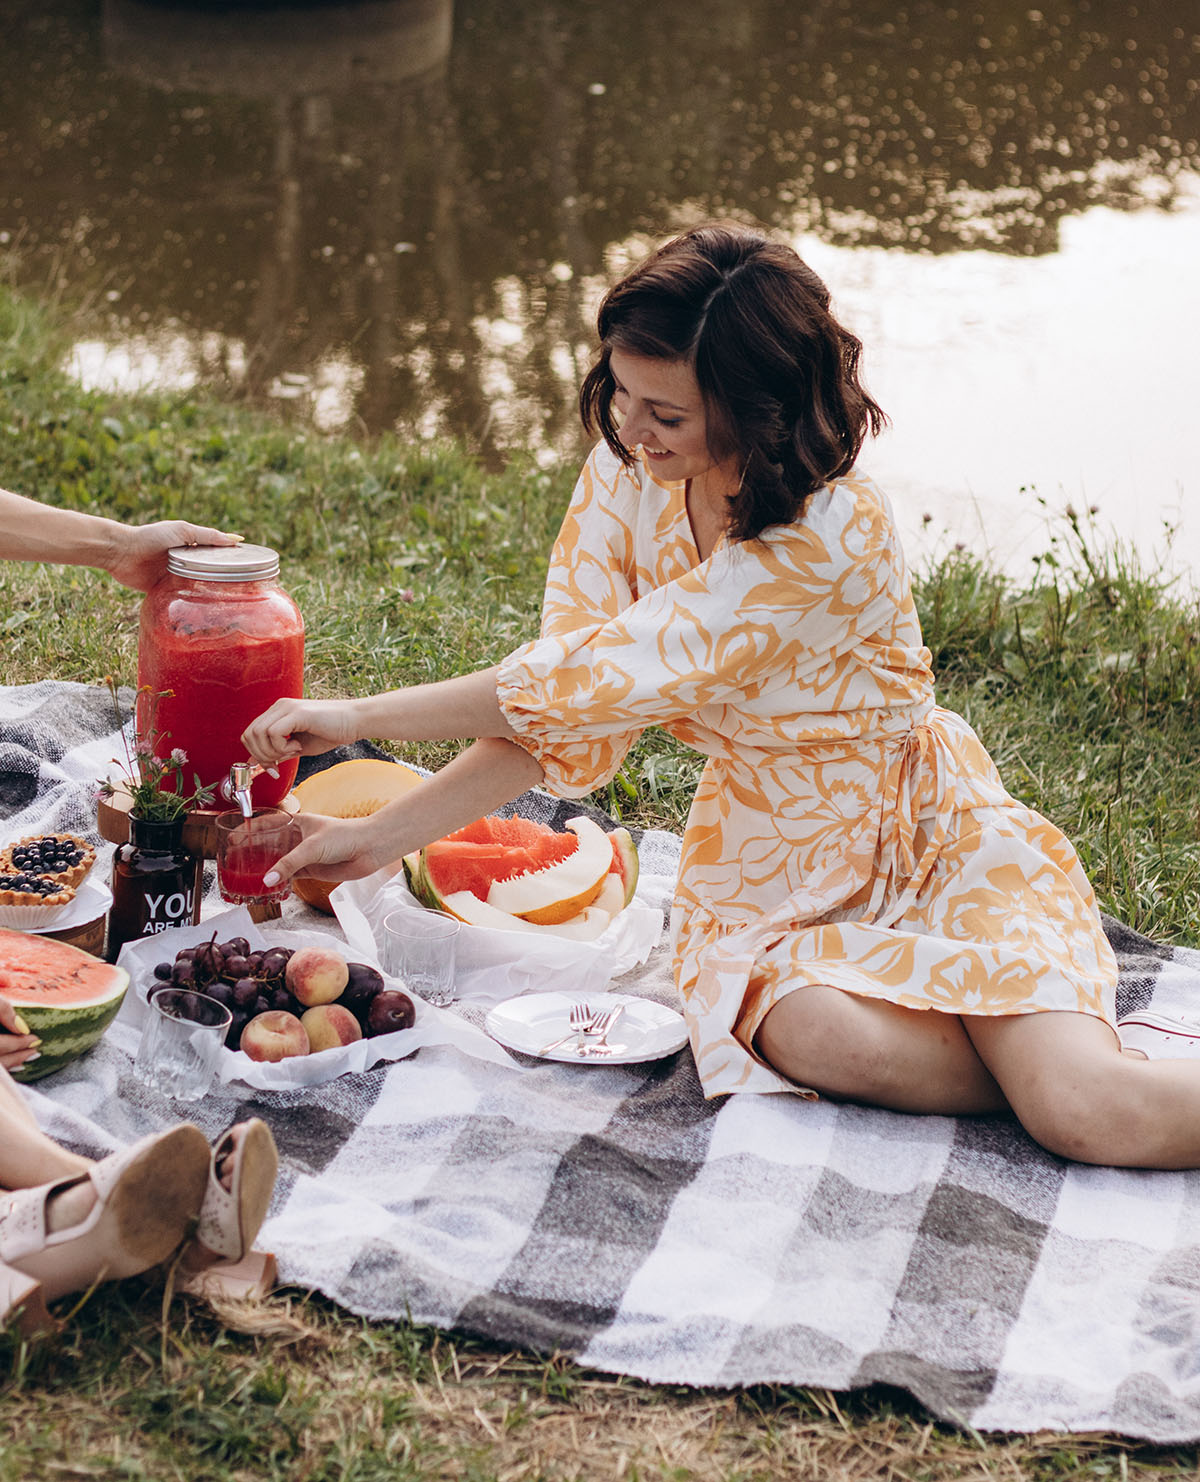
<point x="181" y="1043"/>
<point x="419" y="948"/>
<point x="248" y="849"/>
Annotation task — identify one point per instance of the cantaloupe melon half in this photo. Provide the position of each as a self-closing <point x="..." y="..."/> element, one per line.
<point x="351" y="789"/>
<point x="554" y="894"/>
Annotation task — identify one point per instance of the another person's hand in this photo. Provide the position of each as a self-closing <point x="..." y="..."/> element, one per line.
<point x="336" y="849"/>
<point x="17" y="1045"/>
<point x="139" y="552"/>
<point x="293" y="728"/>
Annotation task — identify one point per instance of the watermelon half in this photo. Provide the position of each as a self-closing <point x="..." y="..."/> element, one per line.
<point x="67" y="997"/>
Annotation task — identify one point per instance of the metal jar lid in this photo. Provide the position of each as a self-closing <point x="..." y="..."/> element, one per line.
<point x="224" y="562"/>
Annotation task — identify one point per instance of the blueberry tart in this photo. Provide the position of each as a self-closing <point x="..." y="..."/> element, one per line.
<point x="29" y="902"/>
<point x="60" y="857"/>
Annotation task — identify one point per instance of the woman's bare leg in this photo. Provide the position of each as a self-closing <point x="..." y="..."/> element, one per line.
<point x="1077" y="1094"/>
<point x="11" y="1100"/>
<point x="864" y="1049"/>
<point x="29" y="1158"/>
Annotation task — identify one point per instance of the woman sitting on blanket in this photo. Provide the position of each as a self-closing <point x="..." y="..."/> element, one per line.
<point x="862" y="910"/>
<point x="67" y="1222"/>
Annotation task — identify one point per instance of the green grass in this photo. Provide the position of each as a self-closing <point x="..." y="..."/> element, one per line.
<point x="413" y="564"/>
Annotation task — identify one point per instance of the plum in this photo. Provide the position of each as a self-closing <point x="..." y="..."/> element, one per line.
<point x="362" y="985"/>
<point x="390" y="1010"/>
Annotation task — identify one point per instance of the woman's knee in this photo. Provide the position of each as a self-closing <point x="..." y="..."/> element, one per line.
<point x="855" y="1049"/>
<point x="806" y="1038"/>
<point x="1068" y="1120"/>
<point x="1068" y="1085"/>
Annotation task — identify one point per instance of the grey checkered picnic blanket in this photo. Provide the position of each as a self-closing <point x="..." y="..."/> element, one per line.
<point x="611" y="1214"/>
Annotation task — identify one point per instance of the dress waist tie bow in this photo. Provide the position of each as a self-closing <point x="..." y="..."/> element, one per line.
<point x="913" y="804"/>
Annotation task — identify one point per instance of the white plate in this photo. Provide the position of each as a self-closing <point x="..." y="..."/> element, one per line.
<point x="91" y="900"/>
<point x="645" y="1031"/>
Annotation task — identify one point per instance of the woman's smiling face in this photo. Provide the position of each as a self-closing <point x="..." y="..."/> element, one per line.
<point x="660" y="407"/>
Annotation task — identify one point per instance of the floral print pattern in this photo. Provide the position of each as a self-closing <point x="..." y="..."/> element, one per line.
<point x="846" y="830"/>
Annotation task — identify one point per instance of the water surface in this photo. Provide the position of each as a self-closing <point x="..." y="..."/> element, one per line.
<point x="401" y="214"/>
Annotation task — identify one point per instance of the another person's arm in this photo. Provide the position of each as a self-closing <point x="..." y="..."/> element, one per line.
<point x="135" y="555"/>
<point x="17" y="1045"/>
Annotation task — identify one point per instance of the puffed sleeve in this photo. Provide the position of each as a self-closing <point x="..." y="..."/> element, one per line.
<point x="756" y="617"/>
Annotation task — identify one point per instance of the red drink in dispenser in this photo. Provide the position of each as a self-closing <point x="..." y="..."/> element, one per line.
<point x="223" y="636"/>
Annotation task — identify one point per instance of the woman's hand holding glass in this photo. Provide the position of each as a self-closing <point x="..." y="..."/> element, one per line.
<point x="336" y="849"/>
<point x="492" y="771"/>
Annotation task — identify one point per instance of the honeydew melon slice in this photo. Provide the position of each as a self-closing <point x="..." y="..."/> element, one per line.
<point x="554" y="894"/>
<point x="612" y="896"/>
<point x="585" y="927"/>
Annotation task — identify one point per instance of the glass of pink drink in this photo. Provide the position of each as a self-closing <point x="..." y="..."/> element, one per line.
<point x="248" y="849"/>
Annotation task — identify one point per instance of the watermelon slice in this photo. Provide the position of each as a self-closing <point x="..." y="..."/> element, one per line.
<point x="515" y="873"/>
<point x="67" y="997"/>
<point x="491" y="849"/>
<point x="625" y="861"/>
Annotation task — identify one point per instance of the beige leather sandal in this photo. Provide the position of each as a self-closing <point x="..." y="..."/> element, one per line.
<point x="220" y="1261"/>
<point x="147" y="1198"/>
<point x="22" y="1304"/>
<point x="231" y="1218"/>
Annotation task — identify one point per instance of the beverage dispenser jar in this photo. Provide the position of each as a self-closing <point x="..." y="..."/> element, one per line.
<point x="224" y="638"/>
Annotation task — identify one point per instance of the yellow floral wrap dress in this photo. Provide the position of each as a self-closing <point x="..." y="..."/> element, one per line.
<point x="846" y="829"/>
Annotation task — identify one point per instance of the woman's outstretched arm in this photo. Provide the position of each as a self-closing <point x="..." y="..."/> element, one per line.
<point x="450" y="709"/>
<point x="478" y="780"/>
<point x="493" y="771"/>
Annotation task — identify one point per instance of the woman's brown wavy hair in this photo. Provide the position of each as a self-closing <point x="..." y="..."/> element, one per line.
<point x="779" y="375"/>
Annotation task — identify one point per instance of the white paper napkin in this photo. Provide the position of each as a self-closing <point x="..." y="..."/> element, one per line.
<point x="495" y="965"/>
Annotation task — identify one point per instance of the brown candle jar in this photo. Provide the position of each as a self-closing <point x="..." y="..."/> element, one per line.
<point x="156" y="883"/>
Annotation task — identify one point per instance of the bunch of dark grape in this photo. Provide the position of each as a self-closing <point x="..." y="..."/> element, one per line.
<point x="245" y="981"/>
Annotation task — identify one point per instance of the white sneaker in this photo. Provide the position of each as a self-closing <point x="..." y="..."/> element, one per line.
<point x="1160" y="1038"/>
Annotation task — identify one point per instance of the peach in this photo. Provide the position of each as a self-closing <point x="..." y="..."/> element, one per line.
<point x="316" y="975"/>
<point x="274" y="1035"/>
<point x="329" y="1025"/>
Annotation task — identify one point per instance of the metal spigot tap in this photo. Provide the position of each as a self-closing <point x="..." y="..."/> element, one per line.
<point x="236" y="787"/>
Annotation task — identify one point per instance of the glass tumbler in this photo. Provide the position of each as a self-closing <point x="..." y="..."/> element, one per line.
<point x="248" y="848"/>
<point x="181" y="1043"/>
<point x="419" y="948"/>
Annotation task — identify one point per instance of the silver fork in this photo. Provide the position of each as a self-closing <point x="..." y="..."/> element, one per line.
<point x="580" y="1019"/>
<point x="597" y="1032"/>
